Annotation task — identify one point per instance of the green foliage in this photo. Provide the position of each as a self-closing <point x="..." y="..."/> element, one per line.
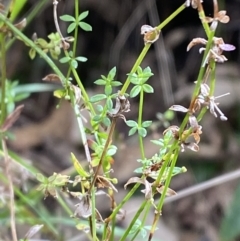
<point x="53" y="46"/>
<point x="77" y="22"/>
<point x="139" y="79"/>
<point x="73" y="61"/>
<point x="104" y="110"/>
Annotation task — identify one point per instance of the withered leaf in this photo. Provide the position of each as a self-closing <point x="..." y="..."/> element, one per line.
<point x="84" y="208"/>
<point x="52" y="78"/>
<point x="21" y="25"/>
<point x="11" y="119"/>
<point x="32" y="231"/>
<point x="103" y="182"/>
<point x="169" y="192"/>
<point x="148" y="186"/>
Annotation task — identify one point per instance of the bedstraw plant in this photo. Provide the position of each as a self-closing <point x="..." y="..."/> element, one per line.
<point x="105" y="110"/>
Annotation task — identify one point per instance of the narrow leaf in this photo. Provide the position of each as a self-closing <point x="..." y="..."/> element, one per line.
<point x="97" y="98"/>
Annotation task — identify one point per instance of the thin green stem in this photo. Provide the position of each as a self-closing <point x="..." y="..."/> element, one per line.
<point x="108" y="141"/>
<point x="134" y="68"/>
<point x="147" y="209"/>
<point x="147" y="46"/>
<point x="213" y="77"/>
<point x="161" y="201"/>
<point x="200" y="78"/>
<point x="93" y="216"/>
<point x="76" y="29"/>
<point x="125" y="199"/>
<point x="171" y="17"/>
<point x="141" y="208"/>
<point x="140" y="123"/>
<point x="3" y="80"/>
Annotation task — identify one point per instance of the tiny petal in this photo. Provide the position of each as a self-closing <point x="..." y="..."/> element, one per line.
<point x="227" y="47"/>
<point x="193" y="122"/>
<point x="196" y="41"/>
<point x="223" y="118"/>
<point x="225" y="19"/>
<point x="193" y="147"/>
<point x="178" y="108"/>
<point x="205" y="90"/>
<point x="146" y="29"/>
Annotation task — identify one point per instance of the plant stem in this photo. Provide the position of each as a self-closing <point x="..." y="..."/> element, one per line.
<point x="141" y="208"/>
<point x="140" y="123"/>
<point x="125" y="199"/>
<point x="108" y="141"/>
<point x="148" y="206"/>
<point x="76" y="6"/>
<point x="161" y="201"/>
<point x="171" y="17"/>
<point x="134" y="68"/>
<point x="147" y="46"/>
<point x="11" y="191"/>
<point x="3" y="80"/>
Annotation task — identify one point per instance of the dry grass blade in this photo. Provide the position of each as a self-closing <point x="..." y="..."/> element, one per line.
<point x="11" y="119"/>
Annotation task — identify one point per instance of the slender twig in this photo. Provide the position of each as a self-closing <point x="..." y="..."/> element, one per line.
<point x="11" y="190"/>
<point x="108" y="141"/>
<point x="140" y="123"/>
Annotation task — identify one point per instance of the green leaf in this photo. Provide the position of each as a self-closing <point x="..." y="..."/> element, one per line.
<point x="78" y="167"/>
<point x="111" y="150"/>
<point x="142" y="132"/>
<point x="112" y="73"/>
<point x="74" y="63"/>
<point x="59" y="93"/>
<point x="85" y="26"/>
<point x="83" y="15"/>
<point x="146" y="124"/>
<point x="108" y="90"/>
<point x="135" y="91"/>
<point x="99" y="108"/>
<point x="131" y="123"/>
<point x="20" y="97"/>
<point x="106" y="121"/>
<point x="71" y="27"/>
<point x="143" y="232"/>
<point x="100" y="82"/>
<point x="116" y="83"/>
<point x="97" y="98"/>
<point x="81" y="59"/>
<point x="109" y="103"/>
<point x="139" y="70"/>
<point x="148" y="88"/>
<point x="40" y="177"/>
<point x="42" y="42"/>
<point x="64" y="60"/>
<point x="132" y="131"/>
<point x="32" y="53"/>
<point x="67" y="18"/>
<point x="97" y="118"/>
<point x="134" y="79"/>
<point x="169" y="115"/>
<point x="159" y="142"/>
<point x="147" y="70"/>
